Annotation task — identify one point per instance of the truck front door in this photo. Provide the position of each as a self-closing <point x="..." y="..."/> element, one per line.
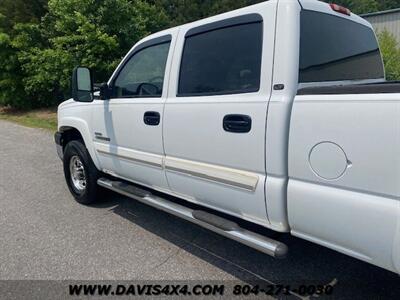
<point x="127" y="129"/>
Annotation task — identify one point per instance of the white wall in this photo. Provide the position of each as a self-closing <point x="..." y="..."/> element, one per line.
<point x="389" y="21"/>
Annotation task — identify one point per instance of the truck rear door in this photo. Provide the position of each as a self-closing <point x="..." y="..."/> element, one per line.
<point x="215" y="115"/>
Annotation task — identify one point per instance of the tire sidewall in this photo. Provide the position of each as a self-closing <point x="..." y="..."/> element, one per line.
<point x="76" y="148"/>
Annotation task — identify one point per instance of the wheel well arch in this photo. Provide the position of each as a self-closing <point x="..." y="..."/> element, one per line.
<point x="70" y="134"/>
<point x="78" y="131"/>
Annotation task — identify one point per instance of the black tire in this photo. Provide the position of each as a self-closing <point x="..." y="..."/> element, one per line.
<point x="90" y="193"/>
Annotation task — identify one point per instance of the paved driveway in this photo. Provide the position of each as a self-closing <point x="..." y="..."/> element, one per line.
<point x="45" y="234"/>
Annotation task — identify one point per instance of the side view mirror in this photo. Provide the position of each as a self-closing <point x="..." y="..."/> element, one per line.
<point x="82" y="85"/>
<point x="105" y="91"/>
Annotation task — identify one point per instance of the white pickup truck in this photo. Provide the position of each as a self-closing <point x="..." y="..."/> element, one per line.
<point x="277" y="114"/>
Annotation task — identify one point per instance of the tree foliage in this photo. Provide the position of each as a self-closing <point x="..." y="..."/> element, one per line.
<point x="184" y="11"/>
<point x="42" y="53"/>
<point x="367" y="6"/>
<point x="11" y="87"/>
<point x="20" y="11"/>
<point x="391" y="55"/>
<point x="42" y="40"/>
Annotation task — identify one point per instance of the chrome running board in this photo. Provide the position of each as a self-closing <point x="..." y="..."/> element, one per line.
<point x="209" y="221"/>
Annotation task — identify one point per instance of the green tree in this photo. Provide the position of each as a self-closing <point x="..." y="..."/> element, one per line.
<point x="42" y="40"/>
<point x="184" y="11"/>
<point x="94" y="33"/>
<point x="358" y="6"/>
<point x="367" y="6"/>
<point x="11" y="87"/>
<point x="13" y="13"/>
<point x="364" y="6"/>
<point x="22" y="11"/>
<point x="391" y="55"/>
<point x="388" y="4"/>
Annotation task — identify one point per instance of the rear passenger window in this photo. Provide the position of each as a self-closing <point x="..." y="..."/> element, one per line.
<point x="334" y="49"/>
<point x="222" y="61"/>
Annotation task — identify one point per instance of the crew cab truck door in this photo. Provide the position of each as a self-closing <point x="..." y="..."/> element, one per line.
<point x="127" y="129"/>
<point x="215" y="116"/>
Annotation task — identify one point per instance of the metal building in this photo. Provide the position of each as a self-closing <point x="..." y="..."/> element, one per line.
<point x="388" y="19"/>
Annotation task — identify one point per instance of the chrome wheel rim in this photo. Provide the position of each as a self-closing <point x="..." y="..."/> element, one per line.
<point x="78" y="175"/>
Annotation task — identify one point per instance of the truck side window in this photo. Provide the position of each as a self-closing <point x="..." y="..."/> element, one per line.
<point x="222" y="61"/>
<point x="143" y="75"/>
<point x="335" y="49"/>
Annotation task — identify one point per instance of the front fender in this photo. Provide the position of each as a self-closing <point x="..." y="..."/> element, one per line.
<point x="82" y="126"/>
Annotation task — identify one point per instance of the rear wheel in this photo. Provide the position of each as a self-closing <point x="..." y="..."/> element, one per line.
<point x="80" y="173"/>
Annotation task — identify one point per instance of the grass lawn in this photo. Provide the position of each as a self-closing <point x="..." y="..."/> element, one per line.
<point x="41" y="118"/>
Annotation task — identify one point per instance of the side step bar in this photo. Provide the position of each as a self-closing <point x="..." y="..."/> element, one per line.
<point x="209" y="221"/>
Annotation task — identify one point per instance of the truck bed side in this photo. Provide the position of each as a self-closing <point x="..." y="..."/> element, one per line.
<point x="344" y="170"/>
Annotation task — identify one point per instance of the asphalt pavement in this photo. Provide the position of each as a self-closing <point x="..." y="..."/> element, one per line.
<point x="46" y="235"/>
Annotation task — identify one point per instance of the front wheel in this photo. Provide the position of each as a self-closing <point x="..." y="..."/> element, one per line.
<point x="80" y="173"/>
